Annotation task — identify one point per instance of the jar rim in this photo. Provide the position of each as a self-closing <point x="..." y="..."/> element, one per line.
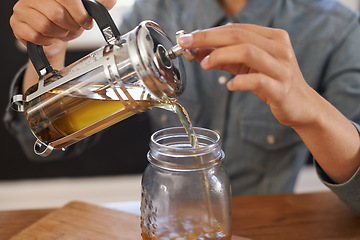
<point x="170" y="148"/>
<point x="213" y="139"/>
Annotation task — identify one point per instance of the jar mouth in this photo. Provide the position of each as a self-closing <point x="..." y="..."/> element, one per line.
<point x="175" y="138"/>
<point x="171" y="148"/>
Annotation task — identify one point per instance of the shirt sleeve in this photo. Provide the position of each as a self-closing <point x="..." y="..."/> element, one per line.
<point x="348" y="191"/>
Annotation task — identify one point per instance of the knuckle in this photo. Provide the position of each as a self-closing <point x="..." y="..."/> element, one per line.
<point x="57" y="15"/>
<point x="287" y="53"/>
<point x="282" y="35"/>
<point x="17" y="11"/>
<point x="35" y="37"/>
<point x="235" y="33"/>
<point x="248" y="51"/>
<point x="16" y="7"/>
<point x="12" y="22"/>
<point x="44" y="27"/>
<point x="19" y="5"/>
<point x="261" y="82"/>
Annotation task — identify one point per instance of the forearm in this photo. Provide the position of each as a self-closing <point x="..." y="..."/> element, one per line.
<point x="333" y="141"/>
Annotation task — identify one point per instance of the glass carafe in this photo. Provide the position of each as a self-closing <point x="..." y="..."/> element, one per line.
<point x="185" y="191"/>
<point x="130" y="74"/>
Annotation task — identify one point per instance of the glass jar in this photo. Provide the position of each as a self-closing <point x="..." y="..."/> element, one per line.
<point x="185" y="191"/>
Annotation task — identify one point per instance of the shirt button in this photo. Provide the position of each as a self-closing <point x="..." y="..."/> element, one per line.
<point x="222" y="80"/>
<point x="163" y="118"/>
<point x="270" y="139"/>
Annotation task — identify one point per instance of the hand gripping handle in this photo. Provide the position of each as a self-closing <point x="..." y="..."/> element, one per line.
<point x="102" y="18"/>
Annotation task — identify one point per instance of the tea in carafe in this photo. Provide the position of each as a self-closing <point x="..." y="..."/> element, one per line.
<point x="74" y="114"/>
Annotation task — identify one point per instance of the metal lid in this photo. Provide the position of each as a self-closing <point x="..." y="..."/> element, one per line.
<point x="159" y="73"/>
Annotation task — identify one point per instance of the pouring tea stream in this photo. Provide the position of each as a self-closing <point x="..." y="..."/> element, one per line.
<point x="130" y="74"/>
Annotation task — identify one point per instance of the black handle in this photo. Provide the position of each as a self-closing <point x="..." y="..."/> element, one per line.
<point x="38" y="59"/>
<point x="103" y="20"/>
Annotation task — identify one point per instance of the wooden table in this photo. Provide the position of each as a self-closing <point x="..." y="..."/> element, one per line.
<point x="313" y="216"/>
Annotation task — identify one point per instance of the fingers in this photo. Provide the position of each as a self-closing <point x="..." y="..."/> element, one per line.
<point x="268" y="32"/>
<point x="264" y="87"/>
<point x="243" y="54"/>
<point x="247" y="82"/>
<point x="262" y="60"/>
<point x="273" y="40"/>
<point x="232" y="33"/>
<point x="202" y="53"/>
<point x="77" y="12"/>
<point x="240" y="48"/>
<point x="26" y="33"/>
<point x="40" y="20"/>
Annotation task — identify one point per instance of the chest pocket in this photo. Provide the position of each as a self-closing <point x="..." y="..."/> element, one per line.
<point x="271" y="136"/>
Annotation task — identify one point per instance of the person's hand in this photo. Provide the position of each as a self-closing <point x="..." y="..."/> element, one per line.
<point x="263" y="61"/>
<point x="51" y="23"/>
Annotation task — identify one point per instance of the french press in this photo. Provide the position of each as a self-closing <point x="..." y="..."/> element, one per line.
<point x="130" y="74"/>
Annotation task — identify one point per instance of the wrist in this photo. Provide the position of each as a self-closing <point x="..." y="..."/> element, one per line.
<point x="305" y="110"/>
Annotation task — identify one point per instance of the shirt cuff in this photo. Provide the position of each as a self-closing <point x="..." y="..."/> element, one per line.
<point x="347" y="191"/>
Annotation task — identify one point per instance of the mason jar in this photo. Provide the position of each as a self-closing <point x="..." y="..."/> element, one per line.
<point x="185" y="191"/>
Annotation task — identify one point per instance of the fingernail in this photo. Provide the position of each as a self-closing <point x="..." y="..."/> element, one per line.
<point x="205" y="61"/>
<point x="88" y="25"/>
<point x="185" y="40"/>
<point x="229" y="84"/>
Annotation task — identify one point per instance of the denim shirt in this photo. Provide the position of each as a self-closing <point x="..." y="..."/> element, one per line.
<point x="262" y="155"/>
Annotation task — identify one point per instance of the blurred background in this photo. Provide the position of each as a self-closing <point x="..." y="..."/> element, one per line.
<point x="94" y="176"/>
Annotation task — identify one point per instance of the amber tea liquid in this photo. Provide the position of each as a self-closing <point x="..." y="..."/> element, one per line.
<point x="193" y="226"/>
<point x="64" y="120"/>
